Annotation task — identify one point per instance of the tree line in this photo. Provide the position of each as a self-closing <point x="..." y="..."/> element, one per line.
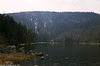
<point x="12" y="32"/>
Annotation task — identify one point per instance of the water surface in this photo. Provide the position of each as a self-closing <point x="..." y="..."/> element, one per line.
<point x="65" y="55"/>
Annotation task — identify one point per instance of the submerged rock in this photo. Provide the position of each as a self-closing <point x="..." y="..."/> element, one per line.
<point x="67" y="58"/>
<point x="46" y="55"/>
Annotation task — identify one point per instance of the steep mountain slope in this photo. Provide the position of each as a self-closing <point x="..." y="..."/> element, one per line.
<point x="62" y="26"/>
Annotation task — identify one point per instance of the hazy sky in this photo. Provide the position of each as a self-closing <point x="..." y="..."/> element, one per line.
<point x="49" y="5"/>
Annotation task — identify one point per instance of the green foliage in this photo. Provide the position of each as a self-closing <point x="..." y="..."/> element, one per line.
<point x="2" y="39"/>
<point x="13" y="33"/>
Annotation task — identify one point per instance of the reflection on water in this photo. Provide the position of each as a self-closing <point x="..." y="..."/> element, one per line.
<point x="65" y="55"/>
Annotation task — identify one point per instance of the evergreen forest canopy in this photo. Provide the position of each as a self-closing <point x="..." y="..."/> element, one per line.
<point x="62" y="26"/>
<point x="13" y="33"/>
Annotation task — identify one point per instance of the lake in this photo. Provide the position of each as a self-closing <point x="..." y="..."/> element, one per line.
<point x="62" y="54"/>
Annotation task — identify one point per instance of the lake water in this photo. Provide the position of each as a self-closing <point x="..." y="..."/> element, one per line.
<point x="62" y="54"/>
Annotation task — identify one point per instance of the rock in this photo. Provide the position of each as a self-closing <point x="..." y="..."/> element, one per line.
<point x="8" y="62"/>
<point x="40" y="54"/>
<point x="46" y="55"/>
<point x="36" y="65"/>
<point x="35" y="53"/>
<point x="42" y="57"/>
<point x="30" y="50"/>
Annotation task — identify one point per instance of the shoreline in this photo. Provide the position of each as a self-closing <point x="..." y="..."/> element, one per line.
<point x="14" y="58"/>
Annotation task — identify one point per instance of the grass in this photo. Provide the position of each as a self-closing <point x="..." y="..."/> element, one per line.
<point x="14" y="57"/>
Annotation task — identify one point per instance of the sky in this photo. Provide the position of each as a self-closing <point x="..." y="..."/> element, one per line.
<point x="10" y="6"/>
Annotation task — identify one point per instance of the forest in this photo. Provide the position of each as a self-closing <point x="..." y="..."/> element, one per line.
<point x="13" y="33"/>
<point x="61" y="26"/>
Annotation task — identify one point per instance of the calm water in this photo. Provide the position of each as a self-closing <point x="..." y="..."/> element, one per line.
<point x="65" y="55"/>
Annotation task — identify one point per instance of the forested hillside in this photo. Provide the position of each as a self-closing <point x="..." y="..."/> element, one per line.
<point x="13" y="33"/>
<point x="62" y="26"/>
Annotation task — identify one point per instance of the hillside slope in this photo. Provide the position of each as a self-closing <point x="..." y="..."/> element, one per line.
<point x="62" y="26"/>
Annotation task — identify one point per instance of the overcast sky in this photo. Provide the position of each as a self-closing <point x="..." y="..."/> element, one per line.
<point x="7" y="6"/>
